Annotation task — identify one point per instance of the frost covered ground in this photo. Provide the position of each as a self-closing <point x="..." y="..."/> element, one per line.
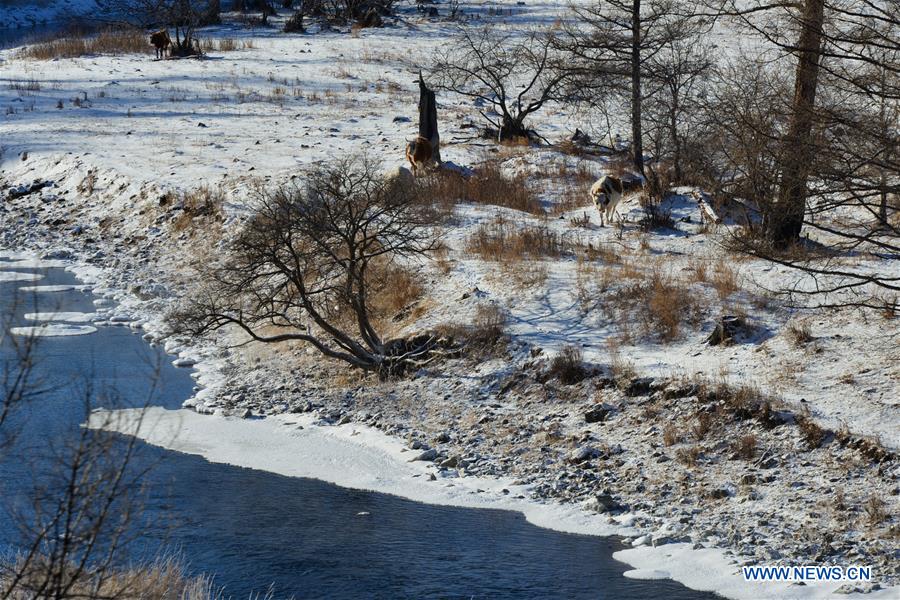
<point x="114" y="134"/>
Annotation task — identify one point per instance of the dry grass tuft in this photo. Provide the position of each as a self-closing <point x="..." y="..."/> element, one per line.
<point x="670" y="435"/>
<point x="567" y="367"/>
<point x="724" y="280"/>
<point x="658" y="302"/>
<point x="225" y="44"/>
<point x="163" y="579"/>
<point x="485" y="333"/>
<point x="746" y="447"/>
<point x="488" y="185"/>
<point x="688" y="456"/>
<point x="198" y="205"/>
<point x="799" y="334"/>
<point x="501" y="240"/>
<point x="125" y="41"/>
<point x="875" y="509"/>
<point x="811" y="432"/>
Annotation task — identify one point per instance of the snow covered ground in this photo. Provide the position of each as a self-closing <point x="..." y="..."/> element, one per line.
<point x="31" y="13"/>
<point x="114" y="134"/>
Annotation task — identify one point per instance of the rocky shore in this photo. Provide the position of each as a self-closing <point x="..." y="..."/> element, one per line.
<point x="690" y="460"/>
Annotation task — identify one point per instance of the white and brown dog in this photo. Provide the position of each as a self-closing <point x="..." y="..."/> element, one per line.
<point x="606" y="193"/>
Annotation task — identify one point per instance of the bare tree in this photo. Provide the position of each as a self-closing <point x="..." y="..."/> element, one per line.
<point x="79" y="517"/>
<point x="183" y="16"/>
<point x="514" y="75"/>
<point x="830" y="40"/>
<point x="613" y="47"/>
<point x="306" y="268"/>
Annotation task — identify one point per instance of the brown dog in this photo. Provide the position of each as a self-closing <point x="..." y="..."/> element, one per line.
<point x="162" y="42"/>
<point x="418" y="153"/>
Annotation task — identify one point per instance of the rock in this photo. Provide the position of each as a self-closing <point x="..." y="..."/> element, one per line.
<point x="640" y="541"/>
<point x="428" y="455"/>
<point x="183" y="362"/>
<point x="639" y="386"/>
<point x="400" y="119"/>
<point x="579" y="455"/>
<point x="442" y="438"/>
<point x="245" y="414"/>
<point x="598" y="413"/>
<point x="719" y="493"/>
<point x="450" y="463"/>
<point x="603" y="503"/>
<point x="727" y="330"/>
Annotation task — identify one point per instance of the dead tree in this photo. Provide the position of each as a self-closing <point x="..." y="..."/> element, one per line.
<point x="305" y="268"/>
<point x="489" y="67"/>
<point x="428" y="121"/>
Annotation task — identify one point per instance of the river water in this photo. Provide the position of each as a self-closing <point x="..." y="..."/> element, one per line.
<point x="252" y="529"/>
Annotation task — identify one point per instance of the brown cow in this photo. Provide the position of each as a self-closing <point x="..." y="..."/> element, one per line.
<point x="162" y="42"/>
<point x="418" y="153"/>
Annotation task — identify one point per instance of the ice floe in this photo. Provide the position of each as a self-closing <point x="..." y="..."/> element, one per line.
<point x="53" y="330"/>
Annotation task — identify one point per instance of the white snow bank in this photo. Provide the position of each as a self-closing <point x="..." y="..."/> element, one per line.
<point x="710" y="569"/>
<point x="69" y="317"/>
<point x="360" y="457"/>
<point x="46" y="289"/>
<point x="37" y="263"/>
<point x="18" y="276"/>
<point x="349" y="455"/>
<point x="53" y="330"/>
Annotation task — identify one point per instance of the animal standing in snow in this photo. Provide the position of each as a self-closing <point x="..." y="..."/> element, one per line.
<point x="418" y="153"/>
<point x="607" y="193"/>
<point x="162" y="42"/>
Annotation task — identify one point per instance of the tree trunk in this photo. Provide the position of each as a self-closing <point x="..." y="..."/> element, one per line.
<point x="636" y="133"/>
<point x="428" y="121"/>
<point x="786" y="221"/>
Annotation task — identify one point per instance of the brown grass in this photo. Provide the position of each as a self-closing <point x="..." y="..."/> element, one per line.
<point x="400" y="289"/>
<point x="488" y="185"/>
<point x="126" y="41"/>
<point x="746" y="447"/>
<point x="501" y="240"/>
<point x="670" y="435"/>
<point x="701" y="425"/>
<point x="811" y="433"/>
<point x="688" y="456"/>
<point x="875" y="509"/>
<point x="200" y="204"/>
<point x="658" y="302"/>
<point x="724" y="280"/>
<point x="164" y="579"/>
<point x="568" y="366"/>
<point x="484" y="333"/>
<point x="798" y="332"/>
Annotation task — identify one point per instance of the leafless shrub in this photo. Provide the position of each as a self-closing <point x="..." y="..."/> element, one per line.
<point x="568" y="366"/>
<point x="303" y="269"/>
<point x="489" y="65"/>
